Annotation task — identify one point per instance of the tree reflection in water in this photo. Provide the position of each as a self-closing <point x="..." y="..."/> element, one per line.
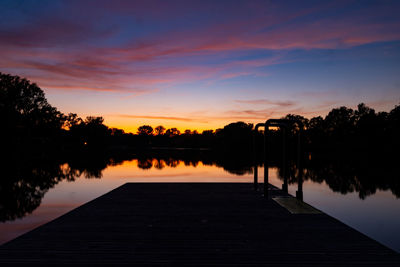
<point x="24" y="183"/>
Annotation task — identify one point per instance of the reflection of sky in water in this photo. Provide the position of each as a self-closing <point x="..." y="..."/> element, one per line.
<point x="378" y="216"/>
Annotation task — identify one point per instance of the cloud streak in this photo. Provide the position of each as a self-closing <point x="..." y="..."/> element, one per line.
<point x="85" y="50"/>
<point x="287" y="103"/>
<point x="218" y="52"/>
<point x="184" y="119"/>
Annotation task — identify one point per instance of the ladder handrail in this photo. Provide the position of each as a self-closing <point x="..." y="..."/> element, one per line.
<point x="284" y="125"/>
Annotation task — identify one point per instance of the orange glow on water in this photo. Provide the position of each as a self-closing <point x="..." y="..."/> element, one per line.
<point x="173" y="171"/>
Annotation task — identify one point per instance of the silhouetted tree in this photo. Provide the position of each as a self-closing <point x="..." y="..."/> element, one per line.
<point x="117" y="132"/>
<point x="159" y="130"/>
<point x="340" y="121"/>
<point x="236" y="137"/>
<point x="145" y="130"/>
<point x="72" y="120"/>
<point x="26" y="114"/>
<point x="294" y="118"/>
<point x="91" y="133"/>
<point x="207" y="132"/>
<point x="172" y="132"/>
<point x="393" y="129"/>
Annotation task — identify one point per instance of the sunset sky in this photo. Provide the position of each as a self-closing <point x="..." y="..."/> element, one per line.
<point x="203" y="64"/>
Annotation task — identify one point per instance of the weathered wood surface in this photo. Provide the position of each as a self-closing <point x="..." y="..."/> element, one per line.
<point x="194" y="224"/>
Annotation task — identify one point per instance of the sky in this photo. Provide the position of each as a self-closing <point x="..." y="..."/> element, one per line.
<point x="203" y="64"/>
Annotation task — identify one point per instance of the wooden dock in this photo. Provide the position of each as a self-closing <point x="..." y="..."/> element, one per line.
<point x="195" y="224"/>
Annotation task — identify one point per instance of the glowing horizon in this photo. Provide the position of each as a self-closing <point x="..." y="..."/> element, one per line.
<point x="203" y="64"/>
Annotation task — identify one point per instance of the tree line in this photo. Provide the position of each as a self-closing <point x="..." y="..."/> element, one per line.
<point x="30" y="123"/>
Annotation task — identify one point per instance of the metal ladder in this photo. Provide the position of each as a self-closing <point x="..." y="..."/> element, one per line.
<point x="285" y="125"/>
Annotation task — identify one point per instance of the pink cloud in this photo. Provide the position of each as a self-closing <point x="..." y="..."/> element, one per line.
<point x="76" y="57"/>
<point x="234" y="75"/>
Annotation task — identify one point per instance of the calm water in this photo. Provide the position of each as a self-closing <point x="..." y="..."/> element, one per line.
<point x="377" y="215"/>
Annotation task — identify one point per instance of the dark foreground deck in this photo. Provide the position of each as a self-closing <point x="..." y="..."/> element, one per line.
<point x="194" y="224"/>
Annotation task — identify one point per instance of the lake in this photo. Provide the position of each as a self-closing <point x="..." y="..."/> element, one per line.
<point x="42" y="194"/>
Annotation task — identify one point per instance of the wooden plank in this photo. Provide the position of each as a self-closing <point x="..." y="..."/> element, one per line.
<point x="296" y="206"/>
<point x="194" y="224"/>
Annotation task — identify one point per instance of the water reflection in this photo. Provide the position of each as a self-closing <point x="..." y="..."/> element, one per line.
<point x="24" y="183"/>
<point x="348" y="177"/>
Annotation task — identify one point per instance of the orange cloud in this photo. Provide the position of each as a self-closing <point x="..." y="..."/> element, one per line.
<point x="287" y="103"/>
<point x="159" y="118"/>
